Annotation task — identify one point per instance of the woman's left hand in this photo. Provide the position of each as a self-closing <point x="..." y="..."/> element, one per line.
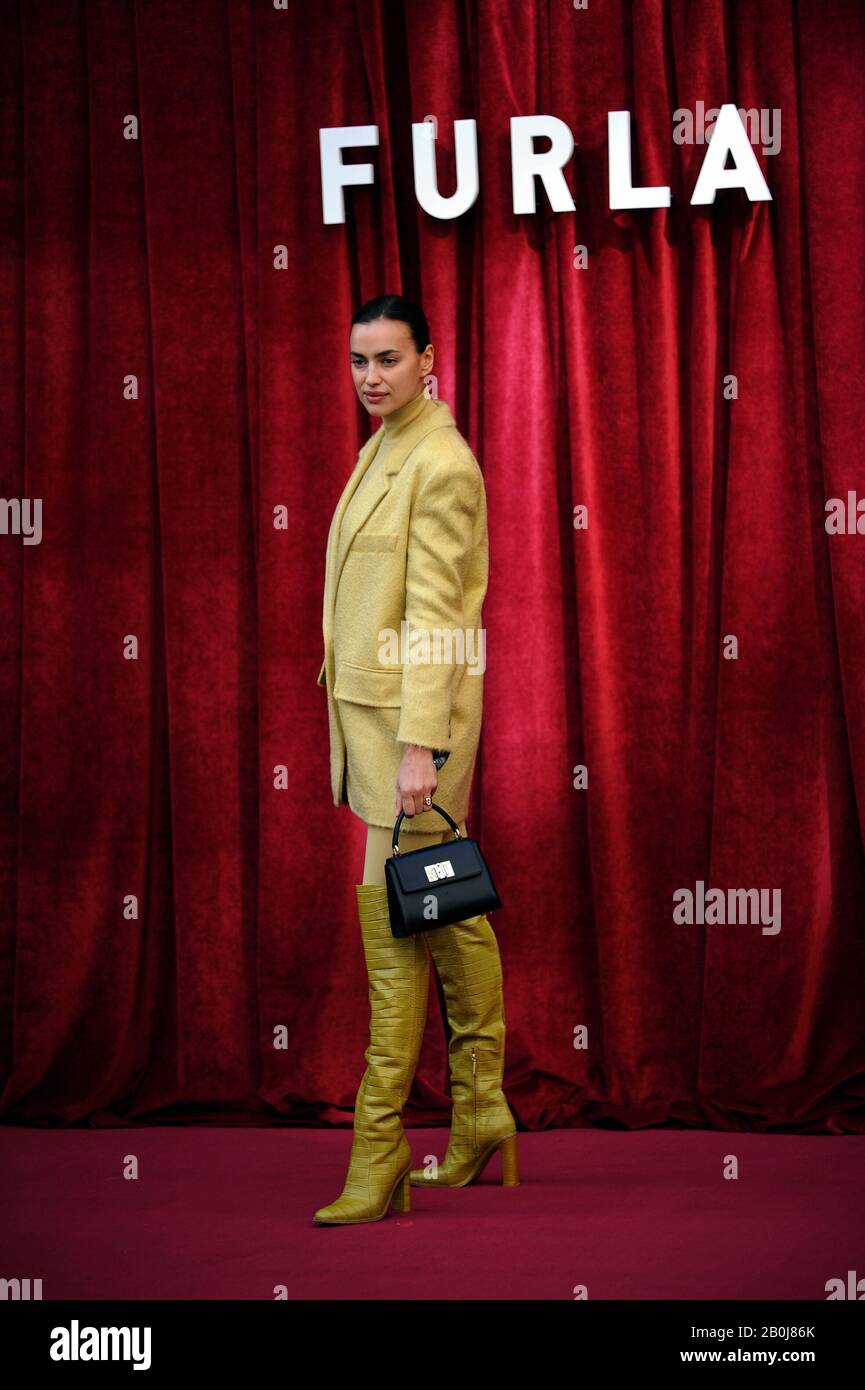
<point x="416" y="781"/>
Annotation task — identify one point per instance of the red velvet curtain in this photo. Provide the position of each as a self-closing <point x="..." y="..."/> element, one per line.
<point x="179" y="936"/>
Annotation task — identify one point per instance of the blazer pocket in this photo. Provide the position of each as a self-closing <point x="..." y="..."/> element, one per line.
<point x="375" y="540"/>
<point x="368" y="685"/>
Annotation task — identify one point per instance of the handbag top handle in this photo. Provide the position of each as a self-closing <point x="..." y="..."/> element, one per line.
<point x="396" y="829"/>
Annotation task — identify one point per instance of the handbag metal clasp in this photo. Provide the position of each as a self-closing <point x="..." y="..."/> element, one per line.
<point x="444" y="869"/>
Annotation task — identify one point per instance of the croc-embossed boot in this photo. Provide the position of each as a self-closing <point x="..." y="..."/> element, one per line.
<point x="398" y="971"/>
<point x="467" y="958"/>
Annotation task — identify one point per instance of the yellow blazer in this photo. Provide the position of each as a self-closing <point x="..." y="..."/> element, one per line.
<point x="415" y="561"/>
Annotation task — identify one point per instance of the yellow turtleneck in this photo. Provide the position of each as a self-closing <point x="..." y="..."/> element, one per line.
<point x="397" y="421"/>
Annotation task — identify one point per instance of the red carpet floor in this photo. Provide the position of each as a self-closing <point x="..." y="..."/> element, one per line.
<point x="226" y="1213"/>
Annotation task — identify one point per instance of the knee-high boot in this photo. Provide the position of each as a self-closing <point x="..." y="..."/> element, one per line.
<point x="467" y="958"/>
<point x="398" y="971"/>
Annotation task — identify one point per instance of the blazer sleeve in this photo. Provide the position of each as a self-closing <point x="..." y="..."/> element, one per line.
<point x="440" y="541"/>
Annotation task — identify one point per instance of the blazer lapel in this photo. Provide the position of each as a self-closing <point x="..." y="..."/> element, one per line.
<point x="339" y="539"/>
<point x="372" y="493"/>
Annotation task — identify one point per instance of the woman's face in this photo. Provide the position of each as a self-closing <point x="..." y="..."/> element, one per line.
<point x="387" y="368"/>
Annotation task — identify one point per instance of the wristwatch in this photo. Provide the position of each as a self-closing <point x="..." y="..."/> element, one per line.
<point x="439" y="757"/>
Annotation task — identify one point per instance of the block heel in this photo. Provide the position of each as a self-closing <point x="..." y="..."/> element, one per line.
<point x="401" y="1196"/>
<point x="510" y="1163"/>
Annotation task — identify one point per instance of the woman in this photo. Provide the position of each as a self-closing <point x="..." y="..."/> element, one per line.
<point x="406" y="562"/>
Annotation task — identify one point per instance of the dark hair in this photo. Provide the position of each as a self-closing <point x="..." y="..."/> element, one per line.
<point x="395" y="306"/>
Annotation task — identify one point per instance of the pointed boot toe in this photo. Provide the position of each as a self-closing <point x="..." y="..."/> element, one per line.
<point x="353" y="1210"/>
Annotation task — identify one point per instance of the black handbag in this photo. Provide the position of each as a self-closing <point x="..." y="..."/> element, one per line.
<point x="439" y="885"/>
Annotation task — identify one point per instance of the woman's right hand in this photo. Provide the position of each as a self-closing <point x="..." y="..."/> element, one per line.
<point x="416" y="781"/>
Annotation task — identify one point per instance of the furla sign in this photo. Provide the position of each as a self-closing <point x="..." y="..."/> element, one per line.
<point x="729" y="138"/>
